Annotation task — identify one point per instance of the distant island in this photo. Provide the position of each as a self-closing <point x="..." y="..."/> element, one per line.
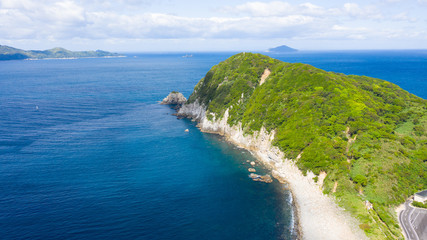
<point x="282" y="49"/>
<point x="10" y="53"/>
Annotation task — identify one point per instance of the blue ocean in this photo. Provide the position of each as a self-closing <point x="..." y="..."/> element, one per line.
<point x="86" y="151"/>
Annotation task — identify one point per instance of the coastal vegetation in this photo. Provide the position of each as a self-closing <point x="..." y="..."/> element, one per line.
<point x="419" y="204"/>
<point x="368" y="135"/>
<point x="10" y="53"/>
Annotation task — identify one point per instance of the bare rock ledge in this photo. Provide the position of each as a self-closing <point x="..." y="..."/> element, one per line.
<point x="174" y="98"/>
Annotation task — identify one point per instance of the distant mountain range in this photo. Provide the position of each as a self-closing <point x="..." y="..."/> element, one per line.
<point x="282" y="49"/>
<point x="10" y="53"/>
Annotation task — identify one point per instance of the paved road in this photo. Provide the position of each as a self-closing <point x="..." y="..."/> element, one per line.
<point x="414" y="222"/>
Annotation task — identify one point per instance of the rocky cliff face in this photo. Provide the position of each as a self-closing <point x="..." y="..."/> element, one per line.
<point x="174" y="98"/>
<point x="258" y="141"/>
<point x="313" y="207"/>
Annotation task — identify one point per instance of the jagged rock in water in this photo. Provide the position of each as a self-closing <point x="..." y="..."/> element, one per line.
<point x="259" y="178"/>
<point x="251" y="169"/>
<point x="174" y="98"/>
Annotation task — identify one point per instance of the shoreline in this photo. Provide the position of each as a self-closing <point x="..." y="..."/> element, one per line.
<point x="317" y="215"/>
<point x="297" y="230"/>
<point x="68" y="58"/>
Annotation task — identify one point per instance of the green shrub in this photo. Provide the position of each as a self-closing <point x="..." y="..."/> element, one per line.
<point x="360" y="179"/>
<point x="419" y="204"/>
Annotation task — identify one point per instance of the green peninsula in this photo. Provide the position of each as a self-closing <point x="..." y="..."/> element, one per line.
<point x="366" y="135"/>
<point x="10" y="53"/>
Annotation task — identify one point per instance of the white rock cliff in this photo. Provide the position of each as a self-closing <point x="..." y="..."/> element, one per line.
<point x="318" y="215"/>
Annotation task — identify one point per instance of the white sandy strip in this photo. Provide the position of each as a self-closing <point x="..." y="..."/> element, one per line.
<point x="319" y="216"/>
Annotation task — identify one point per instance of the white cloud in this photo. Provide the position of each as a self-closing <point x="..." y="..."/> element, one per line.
<point x="261" y="9"/>
<point x="170" y="26"/>
<point x="344" y="32"/>
<point x="26" y="19"/>
<point x="274" y="8"/>
<point x="311" y="9"/>
<point x="18" y="4"/>
<point x="403" y="17"/>
<point x="354" y="10"/>
<point x="279" y="8"/>
<point x="67" y="19"/>
<point x="130" y="19"/>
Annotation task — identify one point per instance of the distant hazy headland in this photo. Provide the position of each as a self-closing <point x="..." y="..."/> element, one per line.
<point x="10" y="53"/>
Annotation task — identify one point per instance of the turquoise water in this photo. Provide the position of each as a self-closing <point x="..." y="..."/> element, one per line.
<point x="86" y="151"/>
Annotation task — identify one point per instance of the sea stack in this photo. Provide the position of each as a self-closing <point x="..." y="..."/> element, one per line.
<point x="174" y="98"/>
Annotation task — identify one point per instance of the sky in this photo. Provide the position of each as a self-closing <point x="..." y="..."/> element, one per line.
<point x="220" y="25"/>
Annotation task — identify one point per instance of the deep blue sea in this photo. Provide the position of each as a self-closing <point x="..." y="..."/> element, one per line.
<point x="86" y="151"/>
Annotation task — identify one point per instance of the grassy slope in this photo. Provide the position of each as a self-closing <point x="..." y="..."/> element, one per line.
<point x="315" y="113"/>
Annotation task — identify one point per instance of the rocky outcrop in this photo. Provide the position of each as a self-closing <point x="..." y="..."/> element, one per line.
<point x="174" y="98"/>
<point x="259" y="178"/>
<point x="193" y="111"/>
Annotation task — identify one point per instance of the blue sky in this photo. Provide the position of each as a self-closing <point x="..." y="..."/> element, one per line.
<point x="221" y="25"/>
